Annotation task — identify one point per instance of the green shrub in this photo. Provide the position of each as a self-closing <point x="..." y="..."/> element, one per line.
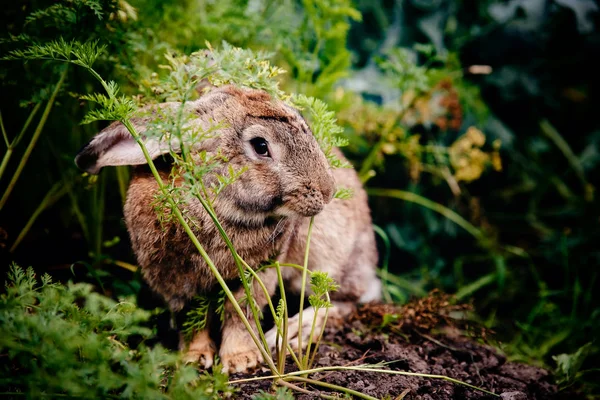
<point x="66" y="340"/>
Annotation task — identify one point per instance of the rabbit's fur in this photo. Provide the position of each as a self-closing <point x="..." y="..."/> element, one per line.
<point x="265" y="212"/>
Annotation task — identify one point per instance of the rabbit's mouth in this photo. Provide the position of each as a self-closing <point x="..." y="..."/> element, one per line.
<point x="302" y="205"/>
<point x="285" y="211"/>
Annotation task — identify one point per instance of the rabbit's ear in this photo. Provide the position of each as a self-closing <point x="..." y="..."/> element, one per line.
<point x="115" y="146"/>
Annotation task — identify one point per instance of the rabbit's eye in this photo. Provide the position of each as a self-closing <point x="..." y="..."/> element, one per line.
<point x="260" y="146"/>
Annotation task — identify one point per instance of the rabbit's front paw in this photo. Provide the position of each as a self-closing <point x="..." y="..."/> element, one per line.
<point x="238" y="352"/>
<point x="242" y="361"/>
<point x="201" y="350"/>
<point x="242" y="358"/>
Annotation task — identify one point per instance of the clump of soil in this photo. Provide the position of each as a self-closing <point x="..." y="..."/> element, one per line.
<point x="404" y="337"/>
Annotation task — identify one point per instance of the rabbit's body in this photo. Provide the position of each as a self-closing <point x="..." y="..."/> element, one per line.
<point x="339" y="238"/>
<point x="265" y="213"/>
<point x="158" y="246"/>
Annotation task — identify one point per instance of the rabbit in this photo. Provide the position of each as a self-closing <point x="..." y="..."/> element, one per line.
<point x="265" y="212"/>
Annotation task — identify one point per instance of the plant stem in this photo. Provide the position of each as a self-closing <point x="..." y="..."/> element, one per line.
<point x="4" y="134"/>
<point x="337" y="388"/>
<point x="28" y="121"/>
<point x="284" y="323"/>
<point x="238" y="260"/>
<point x="303" y="288"/>
<point x="300" y="267"/>
<point x="5" y="160"/>
<point x="312" y="332"/>
<point x="34" y="139"/>
<point x="270" y="303"/>
<point x="318" y="342"/>
<point x="122" y="178"/>
<point x="98" y="207"/>
<point x="363" y="368"/>
<point x="294" y="387"/>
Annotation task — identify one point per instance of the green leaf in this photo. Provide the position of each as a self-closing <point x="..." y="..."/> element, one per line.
<point x="568" y="365"/>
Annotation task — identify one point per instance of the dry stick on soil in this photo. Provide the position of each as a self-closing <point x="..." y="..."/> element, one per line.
<point x="365" y="368"/>
<point x="333" y="387"/>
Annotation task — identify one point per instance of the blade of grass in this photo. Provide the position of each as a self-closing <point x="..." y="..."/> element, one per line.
<point x="432" y="205"/>
<point x="552" y="133"/>
<point x="34" y="139"/>
<point x="402" y="283"/>
<point x="122" y="179"/>
<point x="472" y="287"/>
<point x="58" y="190"/>
<point x="4" y="134"/>
<point x="386" y="259"/>
<point x="10" y="146"/>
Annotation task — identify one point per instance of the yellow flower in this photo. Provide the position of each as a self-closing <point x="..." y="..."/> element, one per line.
<point x="467" y="158"/>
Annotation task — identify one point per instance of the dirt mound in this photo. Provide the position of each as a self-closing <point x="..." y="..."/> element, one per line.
<point x="403" y="338"/>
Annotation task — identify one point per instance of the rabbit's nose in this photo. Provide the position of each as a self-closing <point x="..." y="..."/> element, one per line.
<point x="328" y="188"/>
<point x="315" y="200"/>
<point x="311" y="192"/>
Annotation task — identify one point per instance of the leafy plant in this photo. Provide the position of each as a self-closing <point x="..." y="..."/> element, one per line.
<point x="67" y="340"/>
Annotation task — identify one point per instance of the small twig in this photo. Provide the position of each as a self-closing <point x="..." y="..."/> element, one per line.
<point x="403" y="394"/>
<point x="302" y="390"/>
<point x="337" y="388"/>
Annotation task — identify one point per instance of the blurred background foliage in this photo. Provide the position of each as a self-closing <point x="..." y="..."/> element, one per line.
<point x="472" y="123"/>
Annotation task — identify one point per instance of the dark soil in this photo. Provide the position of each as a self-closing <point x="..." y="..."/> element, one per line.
<point x="368" y="338"/>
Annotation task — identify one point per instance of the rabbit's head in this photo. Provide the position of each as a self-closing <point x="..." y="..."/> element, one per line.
<point x="286" y="173"/>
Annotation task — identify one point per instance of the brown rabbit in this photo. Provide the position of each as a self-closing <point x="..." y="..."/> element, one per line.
<point x="265" y="213"/>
